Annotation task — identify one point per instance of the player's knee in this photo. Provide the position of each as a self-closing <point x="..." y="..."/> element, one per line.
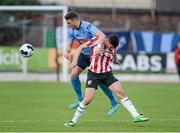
<point x="87" y="100"/>
<point x="120" y="94"/>
<point x="74" y="74"/>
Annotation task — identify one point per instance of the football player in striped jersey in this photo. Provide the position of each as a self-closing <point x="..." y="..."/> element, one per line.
<point x="100" y="71"/>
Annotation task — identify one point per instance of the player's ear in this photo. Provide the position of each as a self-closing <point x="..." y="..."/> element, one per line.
<point x="75" y="20"/>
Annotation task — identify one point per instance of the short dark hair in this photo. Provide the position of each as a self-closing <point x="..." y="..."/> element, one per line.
<point x="114" y="40"/>
<point x="71" y="15"/>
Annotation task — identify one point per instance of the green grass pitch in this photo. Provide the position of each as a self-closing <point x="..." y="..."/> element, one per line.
<point x="43" y="107"/>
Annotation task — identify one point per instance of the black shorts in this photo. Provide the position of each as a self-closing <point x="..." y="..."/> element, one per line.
<point x="83" y="61"/>
<point x="94" y="79"/>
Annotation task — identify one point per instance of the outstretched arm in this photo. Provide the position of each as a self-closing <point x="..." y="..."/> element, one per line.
<point x="115" y="58"/>
<point x="101" y="37"/>
<point x="91" y="43"/>
<point x="68" y="50"/>
<point x="69" y="45"/>
<point x="78" y="51"/>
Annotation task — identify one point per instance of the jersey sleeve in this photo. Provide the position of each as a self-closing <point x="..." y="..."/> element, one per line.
<point x="91" y="28"/>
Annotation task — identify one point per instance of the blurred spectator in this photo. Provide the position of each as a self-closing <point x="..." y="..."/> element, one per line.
<point x="177" y="58"/>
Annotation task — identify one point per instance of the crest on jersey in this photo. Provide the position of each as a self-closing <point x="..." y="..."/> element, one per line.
<point x="83" y="32"/>
<point x="89" y="82"/>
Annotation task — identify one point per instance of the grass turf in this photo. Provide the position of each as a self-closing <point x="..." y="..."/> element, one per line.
<point x="43" y="107"/>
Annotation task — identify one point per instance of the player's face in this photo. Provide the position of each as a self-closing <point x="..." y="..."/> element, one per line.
<point x="109" y="44"/>
<point x="71" y="23"/>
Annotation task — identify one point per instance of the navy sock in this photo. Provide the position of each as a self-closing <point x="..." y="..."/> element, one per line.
<point x="109" y="94"/>
<point x="77" y="87"/>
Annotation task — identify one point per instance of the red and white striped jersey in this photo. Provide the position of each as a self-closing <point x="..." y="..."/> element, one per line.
<point x="101" y="63"/>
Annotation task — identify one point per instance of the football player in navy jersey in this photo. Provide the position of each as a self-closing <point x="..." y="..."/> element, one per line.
<point x="82" y="31"/>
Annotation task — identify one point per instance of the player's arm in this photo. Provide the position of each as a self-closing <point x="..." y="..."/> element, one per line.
<point x="115" y="58"/>
<point x="98" y="33"/>
<point x="101" y="37"/>
<point x="69" y="45"/>
<point x="78" y="52"/>
<point x="67" y="52"/>
<point x="95" y="32"/>
<point x="100" y="42"/>
<point x="91" y="43"/>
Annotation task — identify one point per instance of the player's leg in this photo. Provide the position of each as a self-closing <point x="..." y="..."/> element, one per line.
<point x="89" y="95"/>
<point x="81" y="65"/>
<point x="76" y="84"/>
<point x="178" y="69"/>
<point x="109" y="94"/>
<point x="179" y="74"/>
<point x="91" y="84"/>
<point x="126" y="102"/>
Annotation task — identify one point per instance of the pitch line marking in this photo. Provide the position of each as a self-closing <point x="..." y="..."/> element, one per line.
<point x="13" y="121"/>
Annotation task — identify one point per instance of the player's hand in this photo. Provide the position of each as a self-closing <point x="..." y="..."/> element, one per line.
<point x="97" y="50"/>
<point x="117" y="62"/>
<point x="66" y="55"/>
